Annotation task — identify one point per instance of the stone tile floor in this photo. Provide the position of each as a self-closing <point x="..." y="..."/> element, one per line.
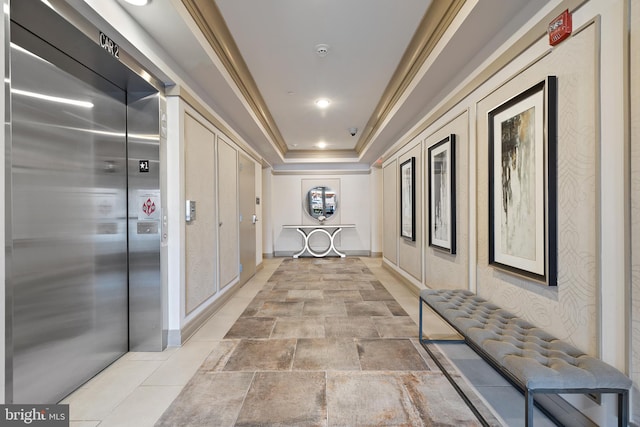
<point x="138" y="388"/>
<point x="323" y="343"/>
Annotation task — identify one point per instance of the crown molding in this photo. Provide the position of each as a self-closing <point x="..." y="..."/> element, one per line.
<point x="320" y="172"/>
<point x="200" y="108"/>
<point x="435" y="22"/>
<point x="433" y="25"/>
<point x="209" y="20"/>
<point x="321" y="154"/>
<point x="525" y="41"/>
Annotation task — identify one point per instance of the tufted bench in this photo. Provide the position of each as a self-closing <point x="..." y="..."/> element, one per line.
<point x="529" y="357"/>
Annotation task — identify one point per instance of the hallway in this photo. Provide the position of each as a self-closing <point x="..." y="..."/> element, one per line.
<point x="340" y="349"/>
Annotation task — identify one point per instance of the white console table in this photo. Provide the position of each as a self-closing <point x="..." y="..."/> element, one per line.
<point x="309" y="230"/>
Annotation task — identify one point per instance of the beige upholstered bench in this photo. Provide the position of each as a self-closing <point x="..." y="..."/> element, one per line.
<point x="532" y="359"/>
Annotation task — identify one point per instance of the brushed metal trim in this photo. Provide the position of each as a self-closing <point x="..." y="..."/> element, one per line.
<point x="628" y="244"/>
<point x="208" y="18"/>
<point x="8" y="236"/>
<point x="82" y="24"/>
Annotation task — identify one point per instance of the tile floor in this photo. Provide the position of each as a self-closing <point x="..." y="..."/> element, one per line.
<point x="138" y="388"/>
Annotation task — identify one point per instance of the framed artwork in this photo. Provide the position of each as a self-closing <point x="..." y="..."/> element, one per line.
<point x="407" y="199"/>
<point x="442" y="194"/>
<point x="522" y="183"/>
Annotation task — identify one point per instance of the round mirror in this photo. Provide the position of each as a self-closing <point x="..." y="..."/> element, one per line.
<point x="321" y="203"/>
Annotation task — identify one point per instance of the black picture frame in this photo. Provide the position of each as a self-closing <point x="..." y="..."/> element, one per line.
<point x="408" y="199"/>
<point x="523" y="183"/>
<point x="441" y="159"/>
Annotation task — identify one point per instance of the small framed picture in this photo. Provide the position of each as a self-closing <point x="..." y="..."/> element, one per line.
<point x="442" y="194"/>
<point x="407" y="199"/>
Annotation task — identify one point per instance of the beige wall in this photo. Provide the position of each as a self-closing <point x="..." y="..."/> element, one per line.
<point x="288" y="190"/>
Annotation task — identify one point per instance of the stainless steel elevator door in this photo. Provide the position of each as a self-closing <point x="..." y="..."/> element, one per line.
<point x="69" y="261"/>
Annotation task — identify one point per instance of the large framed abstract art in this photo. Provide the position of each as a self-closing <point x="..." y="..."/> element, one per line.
<point x="407" y="199"/>
<point x="523" y="182"/>
<point x="442" y="194"/>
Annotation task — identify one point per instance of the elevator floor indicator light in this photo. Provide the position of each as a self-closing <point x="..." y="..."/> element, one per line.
<point x="144" y="166"/>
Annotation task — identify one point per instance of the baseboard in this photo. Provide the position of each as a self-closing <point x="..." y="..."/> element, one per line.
<point x="409" y="283"/>
<point x="194" y="324"/>
<point x="376" y="255"/>
<point x="266" y="255"/>
<point x="173" y="338"/>
<point x="280" y="254"/>
<point x="358" y="253"/>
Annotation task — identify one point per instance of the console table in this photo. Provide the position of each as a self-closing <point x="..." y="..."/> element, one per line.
<point x="309" y="230"/>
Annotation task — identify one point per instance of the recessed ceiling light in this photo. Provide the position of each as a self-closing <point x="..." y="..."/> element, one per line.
<point x="138" y="2"/>
<point x="322" y="102"/>
<point x="321" y="144"/>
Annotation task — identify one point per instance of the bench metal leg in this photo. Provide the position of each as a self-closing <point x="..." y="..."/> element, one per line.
<point x="423" y="340"/>
<point x="623" y="409"/>
<point x="420" y="324"/>
<point x="528" y="408"/>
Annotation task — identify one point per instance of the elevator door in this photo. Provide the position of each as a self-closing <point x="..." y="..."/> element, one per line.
<point x="69" y="211"/>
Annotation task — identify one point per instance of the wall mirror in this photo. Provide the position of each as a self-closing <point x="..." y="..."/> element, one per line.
<point x="321" y="203"/>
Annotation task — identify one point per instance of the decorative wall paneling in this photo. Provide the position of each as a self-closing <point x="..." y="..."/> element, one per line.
<point x="568" y="311"/>
<point x="410" y="252"/>
<point x="204" y="259"/>
<point x="390" y="185"/>
<point x="201" y="234"/>
<point x="442" y="269"/>
<point x="587" y="306"/>
<point x="228" y="217"/>
<point x="246" y="211"/>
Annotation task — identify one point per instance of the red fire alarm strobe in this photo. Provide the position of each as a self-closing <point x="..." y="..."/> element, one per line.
<point x="560" y="28"/>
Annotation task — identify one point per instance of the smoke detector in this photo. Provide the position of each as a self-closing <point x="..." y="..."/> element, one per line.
<point x="322" y="50"/>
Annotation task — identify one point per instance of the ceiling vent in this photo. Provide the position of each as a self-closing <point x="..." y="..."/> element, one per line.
<point x="322" y="50"/>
